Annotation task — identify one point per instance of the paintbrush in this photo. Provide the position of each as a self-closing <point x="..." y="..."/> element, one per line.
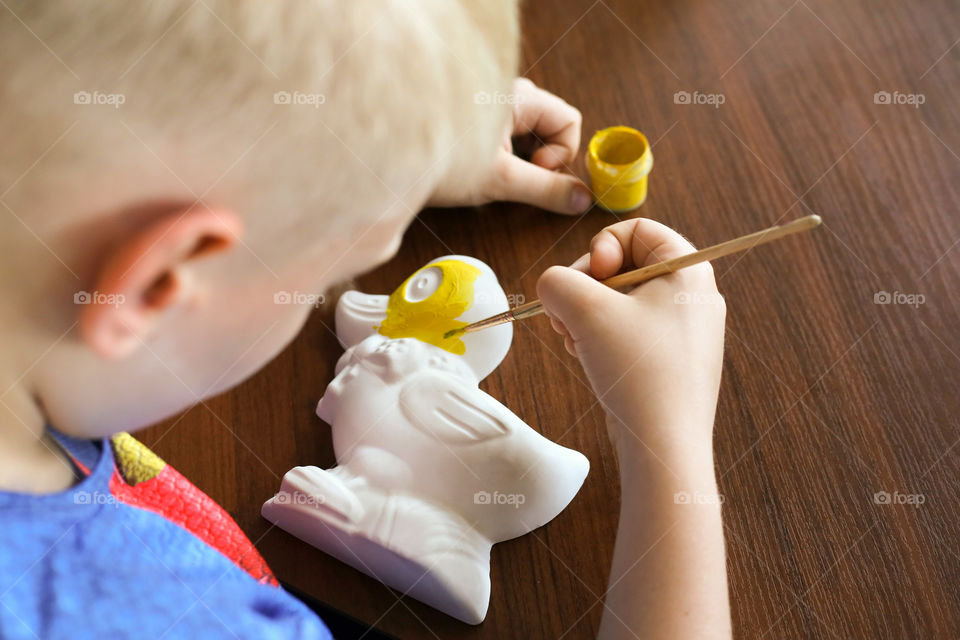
<point x="637" y="276"/>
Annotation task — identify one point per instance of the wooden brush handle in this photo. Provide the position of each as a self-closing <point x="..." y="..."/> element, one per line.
<point x="743" y="243"/>
<point x="638" y="276"/>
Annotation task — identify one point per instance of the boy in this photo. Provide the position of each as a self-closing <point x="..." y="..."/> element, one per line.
<point x="214" y="153"/>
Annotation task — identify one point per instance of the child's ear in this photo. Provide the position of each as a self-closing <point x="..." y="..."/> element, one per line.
<point x="143" y="275"/>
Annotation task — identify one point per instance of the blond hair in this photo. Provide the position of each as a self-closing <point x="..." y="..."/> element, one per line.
<point x="317" y="101"/>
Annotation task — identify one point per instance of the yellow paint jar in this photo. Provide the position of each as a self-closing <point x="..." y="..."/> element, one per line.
<point x="619" y="160"/>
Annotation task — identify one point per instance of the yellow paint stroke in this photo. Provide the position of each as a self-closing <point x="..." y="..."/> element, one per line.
<point x="430" y="318"/>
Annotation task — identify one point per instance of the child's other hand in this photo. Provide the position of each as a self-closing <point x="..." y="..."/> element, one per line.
<point x="540" y="181"/>
<point x="654" y="355"/>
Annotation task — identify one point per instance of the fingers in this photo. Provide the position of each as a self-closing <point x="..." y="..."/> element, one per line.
<point x="551" y="120"/>
<point x="576" y="303"/>
<point x="632" y="244"/>
<point x="582" y="264"/>
<point x="560" y="328"/>
<point x="556" y="125"/>
<point x="522" y="181"/>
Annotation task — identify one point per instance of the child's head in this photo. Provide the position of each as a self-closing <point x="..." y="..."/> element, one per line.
<point x="172" y="174"/>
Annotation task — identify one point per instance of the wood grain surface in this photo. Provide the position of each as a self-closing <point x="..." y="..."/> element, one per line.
<point x="830" y="402"/>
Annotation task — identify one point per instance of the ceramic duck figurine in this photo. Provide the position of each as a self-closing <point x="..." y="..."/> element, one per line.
<point x="431" y="471"/>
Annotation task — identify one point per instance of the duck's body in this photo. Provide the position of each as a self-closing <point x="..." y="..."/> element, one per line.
<point x="431" y="470"/>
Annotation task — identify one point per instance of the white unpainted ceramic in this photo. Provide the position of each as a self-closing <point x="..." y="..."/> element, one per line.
<point x="431" y="471"/>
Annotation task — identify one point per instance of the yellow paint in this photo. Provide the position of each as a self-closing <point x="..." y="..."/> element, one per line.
<point x="619" y="160"/>
<point x="430" y="318"/>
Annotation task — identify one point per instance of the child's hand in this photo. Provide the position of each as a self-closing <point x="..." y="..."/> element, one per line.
<point x="540" y="181"/>
<point x="653" y="355"/>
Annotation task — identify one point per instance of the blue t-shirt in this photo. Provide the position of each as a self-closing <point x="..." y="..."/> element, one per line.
<point x="78" y="564"/>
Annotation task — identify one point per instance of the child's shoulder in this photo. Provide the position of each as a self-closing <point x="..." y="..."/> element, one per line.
<point x="134" y="543"/>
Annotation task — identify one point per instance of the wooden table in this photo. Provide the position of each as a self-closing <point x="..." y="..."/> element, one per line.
<point x="832" y="404"/>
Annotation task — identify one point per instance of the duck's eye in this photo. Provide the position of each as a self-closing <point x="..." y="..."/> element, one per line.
<point x="423" y="284"/>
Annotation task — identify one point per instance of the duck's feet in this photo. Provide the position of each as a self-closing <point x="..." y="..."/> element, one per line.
<point x="310" y="496"/>
<point x="415" y="546"/>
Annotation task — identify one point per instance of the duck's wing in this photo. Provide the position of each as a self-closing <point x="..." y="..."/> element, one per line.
<point x="447" y="408"/>
<point x="358" y="316"/>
